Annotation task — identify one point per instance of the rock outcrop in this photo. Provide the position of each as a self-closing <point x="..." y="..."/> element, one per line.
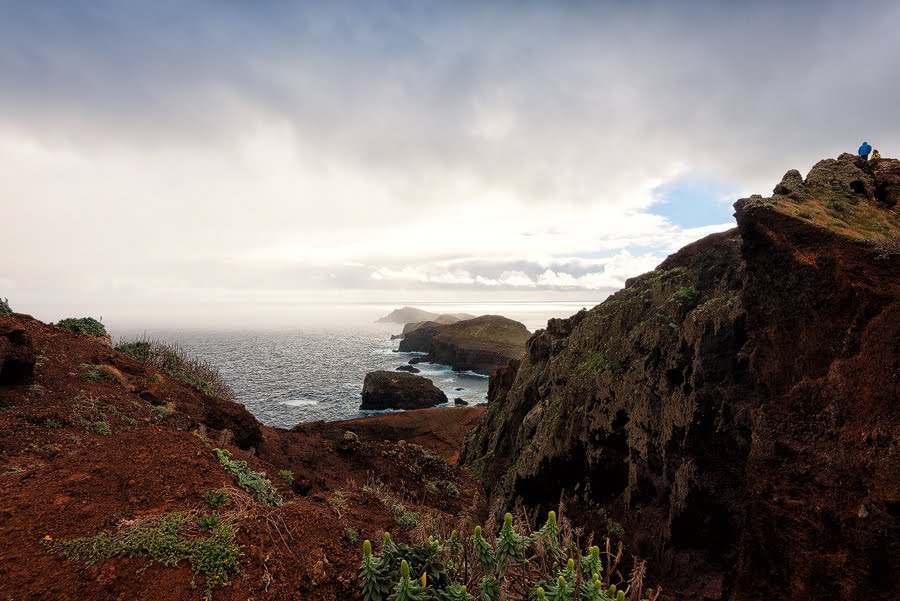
<point x="482" y="344"/>
<point x="17" y="356"/>
<point x="399" y="390"/>
<point x="735" y="410"/>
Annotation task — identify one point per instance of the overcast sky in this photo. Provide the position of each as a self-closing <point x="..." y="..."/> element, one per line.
<point x="166" y="161"/>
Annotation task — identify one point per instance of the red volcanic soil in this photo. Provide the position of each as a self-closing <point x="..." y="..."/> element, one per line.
<point x="78" y="457"/>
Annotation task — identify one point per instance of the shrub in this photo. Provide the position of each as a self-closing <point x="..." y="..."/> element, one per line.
<point x="287" y="476"/>
<point x="173" y="360"/>
<point x="252" y="481"/>
<point x="216" y="498"/>
<point x="84" y="326"/>
<point x="4" y="307"/>
<point x="351" y="534"/>
<point x="208" y="522"/>
<point x="167" y="540"/>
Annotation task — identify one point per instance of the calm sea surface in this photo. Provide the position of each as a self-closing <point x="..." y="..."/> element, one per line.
<point x="316" y="373"/>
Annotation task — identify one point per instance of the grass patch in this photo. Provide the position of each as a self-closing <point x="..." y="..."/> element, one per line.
<point x="168" y="541"/>
<point x="162" y="411"/>
<point x="685" y="294"/>
<point x="101" y="428"/>
<point x="174" y="361"/>
<point x="94" y="373"/>
<point x="84" y="326"/>
<point x="250" y="480"/>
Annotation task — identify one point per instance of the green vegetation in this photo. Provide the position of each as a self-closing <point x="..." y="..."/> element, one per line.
<point x="162" y="411"/>
<point x="287" y="476"/>
<point x="684" y="295"/>
<point x="216" y="498"/>
<point x="595" y="363"/>
<point x="252" y="481"/>
<point x="167" y="540"/>
<point x="175" y="362"/>
<point x="94" y="373"/>
<point x="208" y="522"/>
<point x="544" y="564"/>
<point x="84" y="326"/>
<point x="4" y="307"/>
<point x="351" y="534"/>
<point x="101" y="428"/>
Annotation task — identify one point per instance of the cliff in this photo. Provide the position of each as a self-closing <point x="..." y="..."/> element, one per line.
<point x="734" y="411"/>
<point x="481" y="344"/>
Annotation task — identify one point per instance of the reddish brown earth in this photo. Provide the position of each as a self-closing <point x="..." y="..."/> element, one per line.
<point x="62" y="479"/>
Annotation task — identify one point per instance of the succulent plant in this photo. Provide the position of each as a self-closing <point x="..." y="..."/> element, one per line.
<point x="510" y="546"/>
<point x="484" y="552"/>
<point x="490" y="589"/>
<point x="407" y="589"/>
<point x="456" y="592"/>
<point x="374" y="576"/>
<point x="590" y="563"/>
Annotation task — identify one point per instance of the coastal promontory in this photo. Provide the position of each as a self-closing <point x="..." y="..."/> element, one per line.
<point x="482" y="344"/>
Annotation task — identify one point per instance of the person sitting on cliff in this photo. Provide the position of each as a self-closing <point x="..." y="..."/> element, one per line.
<point x="864" y="151"/>
<point x="876" y="155"/>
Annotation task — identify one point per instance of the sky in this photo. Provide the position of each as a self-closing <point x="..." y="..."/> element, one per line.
<point x="247" y="163"/>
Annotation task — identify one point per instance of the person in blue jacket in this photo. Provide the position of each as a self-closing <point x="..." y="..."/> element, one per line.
<point x="864" y="150"/>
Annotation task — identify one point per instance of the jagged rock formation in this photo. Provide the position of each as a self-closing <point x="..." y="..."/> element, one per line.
<point x="735" y="409"/>
<point x="482" y="344"/>
<point x="399" y="390"/>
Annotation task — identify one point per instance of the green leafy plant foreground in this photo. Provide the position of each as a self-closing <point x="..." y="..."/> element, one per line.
<point x="519" y="566"/>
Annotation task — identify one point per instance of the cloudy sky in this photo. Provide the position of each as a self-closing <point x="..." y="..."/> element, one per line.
<point x="166" y="161"/>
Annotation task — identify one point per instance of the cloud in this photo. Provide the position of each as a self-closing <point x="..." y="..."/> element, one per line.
<point x="193" y="151"/>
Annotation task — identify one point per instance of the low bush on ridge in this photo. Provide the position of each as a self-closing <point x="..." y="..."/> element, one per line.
<point x="4" y="307"/>
<point x="173" y="360"/>
<point x="84" y="326"/>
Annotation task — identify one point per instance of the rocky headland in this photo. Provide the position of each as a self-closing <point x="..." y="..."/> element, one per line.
<point x="732" y="414"/>
<point x="482" y="344"/>
<point x="410" y="315"/>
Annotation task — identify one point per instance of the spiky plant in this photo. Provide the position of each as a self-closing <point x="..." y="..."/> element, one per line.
<point x="539" y="594"/>
<point x="484" y="552"/>
<point x="407" y="589"/>
<point x="549" y="537"/>
<point x="456" y="592"/>
<point x="374" y="576"/>
<point x="569" y="572"/>
<point x="490" y="589"/>
<point x="510" y="546"/>
<point x="562" y="590"/>
<point x="591" y="590"/>
<point x="590" y="563"/>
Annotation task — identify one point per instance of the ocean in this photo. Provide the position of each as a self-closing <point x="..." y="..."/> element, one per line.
<point x="307" y="373"/>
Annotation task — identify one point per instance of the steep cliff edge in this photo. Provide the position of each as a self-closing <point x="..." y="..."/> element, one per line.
<point x="735" y="409"/>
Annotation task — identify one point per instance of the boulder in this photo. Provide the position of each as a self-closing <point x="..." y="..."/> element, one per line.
<point x="397" y="390"/>
<point x="459" y="402"/>
<point x="409" y="369"/>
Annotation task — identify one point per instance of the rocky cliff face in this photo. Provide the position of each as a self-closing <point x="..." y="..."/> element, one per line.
<point x="735" y="409"/>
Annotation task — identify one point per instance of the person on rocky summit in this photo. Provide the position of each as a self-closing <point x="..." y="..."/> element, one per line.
<point x="876" y="155"/>
<point x="864" y="151"/>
